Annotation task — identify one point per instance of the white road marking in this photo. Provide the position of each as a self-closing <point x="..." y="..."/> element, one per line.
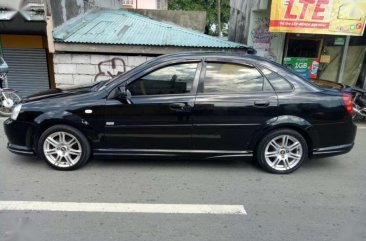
<point x="361" y="127"/>
<point x="122" y="207"/>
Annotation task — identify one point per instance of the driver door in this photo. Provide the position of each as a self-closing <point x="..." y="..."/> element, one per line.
<point x="158" y="113"/>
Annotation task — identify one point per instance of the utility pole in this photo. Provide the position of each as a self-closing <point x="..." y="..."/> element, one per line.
<point x="219" y="18"/>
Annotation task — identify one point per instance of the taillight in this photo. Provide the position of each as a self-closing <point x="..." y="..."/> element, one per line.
<point x="347" y="101"/>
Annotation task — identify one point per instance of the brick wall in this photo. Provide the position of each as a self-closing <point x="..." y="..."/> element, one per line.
<point x="74" y="69"/>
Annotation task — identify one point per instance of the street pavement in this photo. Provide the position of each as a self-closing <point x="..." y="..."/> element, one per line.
<point x="323" y="200"/>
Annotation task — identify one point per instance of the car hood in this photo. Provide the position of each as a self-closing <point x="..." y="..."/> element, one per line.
<point x="58" y="92"/>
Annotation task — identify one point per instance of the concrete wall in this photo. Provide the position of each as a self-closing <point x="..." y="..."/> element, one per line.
<point x="249" y="25"/>
<point x="195" y="20"/>
<point x="162" y="4"/>
<point x="63" y="10"/>
<point x="268" y="45"/>
<point x="74" y="69"/>
<point x="240" y="14"/>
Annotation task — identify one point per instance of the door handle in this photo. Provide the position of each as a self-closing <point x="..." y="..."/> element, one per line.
<point x="261" y="103"/>
<point x="177" y="106"/>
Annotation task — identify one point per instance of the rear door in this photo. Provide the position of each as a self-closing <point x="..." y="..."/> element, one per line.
<point x="233" y="102"/>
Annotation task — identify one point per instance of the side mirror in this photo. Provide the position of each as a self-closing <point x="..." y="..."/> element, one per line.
<point x="124" y="94"/>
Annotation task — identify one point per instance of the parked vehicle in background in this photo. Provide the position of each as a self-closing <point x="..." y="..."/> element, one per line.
<point x="8" y="100"/>
<point x="198" y="105"/>
<point x="8" y="97"/>
<point x="359" y="104"/>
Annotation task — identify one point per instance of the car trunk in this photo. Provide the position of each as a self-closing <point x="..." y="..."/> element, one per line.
<point x="331" y="85"/>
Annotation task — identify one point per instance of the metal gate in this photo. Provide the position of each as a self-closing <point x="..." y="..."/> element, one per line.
<point x="28" y="70"/>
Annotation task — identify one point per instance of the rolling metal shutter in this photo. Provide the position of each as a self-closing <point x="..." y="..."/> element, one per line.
<point x="28" y="71"/>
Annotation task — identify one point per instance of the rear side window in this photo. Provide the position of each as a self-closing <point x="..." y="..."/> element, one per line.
<point x="279" y="83"/>
<point x="231" y="78"/>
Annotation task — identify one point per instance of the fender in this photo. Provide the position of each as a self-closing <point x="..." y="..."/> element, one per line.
<point x="287" y="121"/>
<point x="51" y="118"/>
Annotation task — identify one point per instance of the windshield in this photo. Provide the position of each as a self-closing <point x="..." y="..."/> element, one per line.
<point x="104" y="84"/>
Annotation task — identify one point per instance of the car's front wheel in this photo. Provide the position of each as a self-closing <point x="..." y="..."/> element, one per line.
<point x="282" y="151"/>
<point x="64" y="147"/>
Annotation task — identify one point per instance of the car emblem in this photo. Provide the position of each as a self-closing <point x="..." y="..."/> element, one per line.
<point x="88" y="111"/>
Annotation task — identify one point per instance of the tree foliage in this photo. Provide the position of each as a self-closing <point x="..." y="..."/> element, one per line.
<point x="210" y="6"/>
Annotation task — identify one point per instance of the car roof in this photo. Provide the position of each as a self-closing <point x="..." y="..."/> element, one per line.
<point x="200" y="54"/>
<point x="221" y="55"/>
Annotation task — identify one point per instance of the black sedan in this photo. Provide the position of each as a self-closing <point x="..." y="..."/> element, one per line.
<point x="201" y="105"/>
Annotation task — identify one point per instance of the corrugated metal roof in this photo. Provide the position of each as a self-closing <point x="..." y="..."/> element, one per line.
<point x="129" y="28"/>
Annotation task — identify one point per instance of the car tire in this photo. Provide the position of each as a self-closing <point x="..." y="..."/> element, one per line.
<point x="64" y="147"/>
<point x="282" y="151"/>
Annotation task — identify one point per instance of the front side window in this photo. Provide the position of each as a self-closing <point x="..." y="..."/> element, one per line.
<point x="173" y="79"/>
<point x="231" y="78"/>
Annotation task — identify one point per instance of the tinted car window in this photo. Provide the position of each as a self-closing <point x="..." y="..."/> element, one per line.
<point x="174" y="79"/>
<point x="226" y="78"/>
<point x="279" y="83"/>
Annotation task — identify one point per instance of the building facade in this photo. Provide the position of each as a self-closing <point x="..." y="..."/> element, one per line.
<point x="105" y="43"/>
<point x="36" y="43"/>
<point x="24" y="47"/>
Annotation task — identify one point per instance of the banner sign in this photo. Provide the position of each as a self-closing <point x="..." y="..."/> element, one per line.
<point x="306" y="67"/>
<point x="335" y="17"/>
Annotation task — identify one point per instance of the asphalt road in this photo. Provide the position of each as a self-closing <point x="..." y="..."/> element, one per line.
<point x="323" y="200"/>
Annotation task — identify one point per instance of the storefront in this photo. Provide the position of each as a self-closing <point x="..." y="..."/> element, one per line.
<point x="324" y="39"/>
<point x="329" y="53"/>
<point x="26" y="56"/>
<point x="318" y="39"/>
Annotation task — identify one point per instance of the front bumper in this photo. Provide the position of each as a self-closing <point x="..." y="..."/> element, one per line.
<point x="22" y="150"/>
<point x="20" y="136"/>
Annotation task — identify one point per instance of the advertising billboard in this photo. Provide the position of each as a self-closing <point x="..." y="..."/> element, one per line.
<point x="335" y="17"/>
<point x="306" y="67"/>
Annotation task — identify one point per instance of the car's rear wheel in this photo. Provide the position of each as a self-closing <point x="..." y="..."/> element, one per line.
<point x="64" y="147"/>
<point x="282" y="151"/>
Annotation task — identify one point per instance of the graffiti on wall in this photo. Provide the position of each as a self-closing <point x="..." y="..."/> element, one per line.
<point x="262" y="38"/>
<point x="109" y="69"/>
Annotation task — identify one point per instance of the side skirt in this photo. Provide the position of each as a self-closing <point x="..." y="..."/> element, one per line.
<point x="207" y="154"/>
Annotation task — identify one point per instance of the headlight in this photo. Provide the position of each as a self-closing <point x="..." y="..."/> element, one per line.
<point x="15" y="113"/>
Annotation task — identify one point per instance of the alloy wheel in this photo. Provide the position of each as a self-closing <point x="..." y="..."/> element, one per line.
<point x="283" y="152"/>
<point x="62" y="149"/>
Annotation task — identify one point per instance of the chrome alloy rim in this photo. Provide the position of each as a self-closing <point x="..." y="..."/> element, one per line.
<point x="62" y="149"/>
<point x="283" y="152"/>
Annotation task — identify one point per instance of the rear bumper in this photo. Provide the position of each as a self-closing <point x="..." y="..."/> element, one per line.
<point x="332" y="151"/>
